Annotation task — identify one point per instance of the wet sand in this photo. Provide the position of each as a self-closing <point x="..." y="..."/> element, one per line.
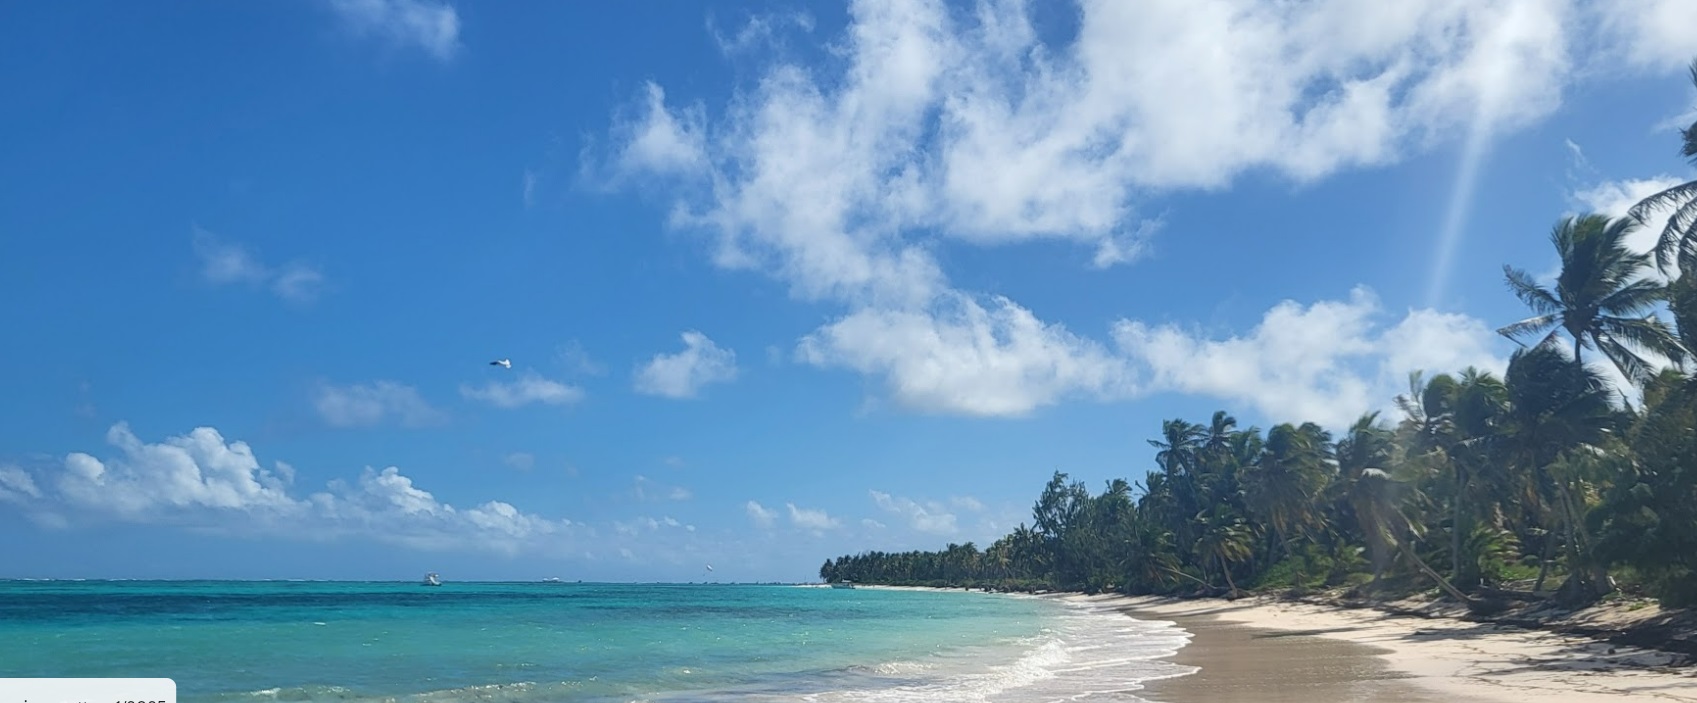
<point x="1242" y="664"/>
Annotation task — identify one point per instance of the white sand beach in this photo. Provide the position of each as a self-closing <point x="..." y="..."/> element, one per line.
<point x="1271" y="658"/>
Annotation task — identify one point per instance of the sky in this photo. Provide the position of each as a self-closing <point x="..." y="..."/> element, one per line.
<point x="778" y="281"/>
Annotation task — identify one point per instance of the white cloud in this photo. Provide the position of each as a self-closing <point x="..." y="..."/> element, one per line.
<point x="1327" y="362"/>
<point x="226" y="263"/>
<point x="201" y="480"/>
<point x="759" y="30"/>
<point x="762" y="516"/>
<point x="931" y="517"/>
<point x="1650" y="33"/>
<point x="664" y="143"/>
<point x="16" y="485"/>
<point x="523" y="461"/>
<point x="964" y="125"/>
<point x="427" y="24"/>
<point x="528" y="388"/>
<point x="812" y="519"/>
<point x="649" y="489"/>
<point x="1614" y="198"/>
<point x="684" y="374"/>
<point x="961" y="358"/>
<point x="197" y="470"/>
<point x="369" y="404"/>
<point x="967" y="503"/>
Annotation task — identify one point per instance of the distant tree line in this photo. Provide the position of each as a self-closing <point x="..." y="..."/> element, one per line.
<point x="1544" y="483"/>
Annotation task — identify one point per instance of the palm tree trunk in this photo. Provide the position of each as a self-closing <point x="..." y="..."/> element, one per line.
<point x="1455" y="521"/>
<point x="1435" y="576"/>
<point x="1227" y="570"/>
<point x="1544" y="561"/>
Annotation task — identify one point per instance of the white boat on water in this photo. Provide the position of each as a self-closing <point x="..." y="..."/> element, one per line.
<point x="552" y="579"/>
<point x="431" y="579"/>
<point x="843" y="584"/>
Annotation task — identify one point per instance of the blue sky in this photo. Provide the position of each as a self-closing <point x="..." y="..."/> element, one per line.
<point x="778" y="281"/>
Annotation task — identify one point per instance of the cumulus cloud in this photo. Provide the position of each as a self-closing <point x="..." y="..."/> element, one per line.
<point x="966" y="126"/>
<point x="1650" y="33"/>
<point x="813" y="519"/>
<point x="431" y="26"/>
<point x="685" y="373"/>
<point x="228" y="263"/>
<point x="1327" y="362"/>
<point x="370" y="404"/>
<point x="930" y="517"/>
<point x="202" y="480"/>
<point x="961" y="358"/>
<point x="530" y="387"/>
<point x="762" y="516"/>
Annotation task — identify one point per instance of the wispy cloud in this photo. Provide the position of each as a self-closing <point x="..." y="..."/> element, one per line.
<point x="370" y="404"/>
<point x="523" y="461"/>
<point x="814" y="519"/>
<point x="528" y="388"/>
<point x="762" y="516"/>
<point x="685" y="373"/>
<point x="649" y="489"/>
<point x="228" y="263"/>
<point x="430" y="25"/>
<point x="931" y="518"/>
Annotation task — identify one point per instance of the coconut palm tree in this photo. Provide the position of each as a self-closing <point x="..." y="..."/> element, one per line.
<point x="1677" y="245"/>
<point x="1601" y="298"/>
<point x="1557" y="406"/>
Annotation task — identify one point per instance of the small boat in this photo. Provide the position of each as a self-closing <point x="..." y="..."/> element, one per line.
<point x="843" y="584"/>
<point x="431" y="579"/>
<point x="552" y="579"/>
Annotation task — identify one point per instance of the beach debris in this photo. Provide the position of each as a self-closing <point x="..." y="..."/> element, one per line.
<point x="503" y="363"/>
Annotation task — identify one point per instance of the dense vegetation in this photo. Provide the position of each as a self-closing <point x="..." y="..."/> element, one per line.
<point x="1544" y="483"/>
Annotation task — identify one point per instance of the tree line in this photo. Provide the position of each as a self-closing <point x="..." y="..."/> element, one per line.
<point x="1544" y="483"/>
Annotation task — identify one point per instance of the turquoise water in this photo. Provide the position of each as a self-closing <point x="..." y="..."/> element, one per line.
<point x="308" y="641"/>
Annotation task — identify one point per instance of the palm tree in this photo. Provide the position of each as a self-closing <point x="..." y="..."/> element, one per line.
<point x="1225" y="539"/>
<point x="1557" y="406"/>
<point x="1281" y="486"/>
<point x="1678" y="241"/>
<point x="1601" y="298"/>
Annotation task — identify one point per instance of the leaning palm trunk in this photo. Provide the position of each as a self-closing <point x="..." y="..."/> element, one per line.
<point x="1226" y="569"/>
<point x="1435" y="576"/>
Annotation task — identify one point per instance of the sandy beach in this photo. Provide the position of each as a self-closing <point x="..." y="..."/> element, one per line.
<point x="1257" y="649"/>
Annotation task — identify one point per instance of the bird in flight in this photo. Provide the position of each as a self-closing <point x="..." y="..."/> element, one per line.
<point x="503" y="363"/>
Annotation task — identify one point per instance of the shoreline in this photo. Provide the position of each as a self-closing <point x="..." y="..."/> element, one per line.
<point x="1265" y="649"/>
<point x="1270" y="649"/>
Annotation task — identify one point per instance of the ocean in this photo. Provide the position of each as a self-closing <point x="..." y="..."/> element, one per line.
<point x="258" y="641"/>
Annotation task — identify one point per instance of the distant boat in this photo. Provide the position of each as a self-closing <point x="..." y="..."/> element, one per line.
<point x="843" y="584"/>
<point x="552" y="579"/>
<point x="431" y="579"/>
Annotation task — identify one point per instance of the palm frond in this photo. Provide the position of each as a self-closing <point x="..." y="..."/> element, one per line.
<point x="1677" y="198"/>
<point x="1526" y="288"/>
<point x="1633" y="299"/>
<point x="1649" y="334"/>
<point x="1529" y="326"/>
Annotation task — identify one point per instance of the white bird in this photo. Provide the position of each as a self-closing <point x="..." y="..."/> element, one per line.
<point x="503" y="363"/>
